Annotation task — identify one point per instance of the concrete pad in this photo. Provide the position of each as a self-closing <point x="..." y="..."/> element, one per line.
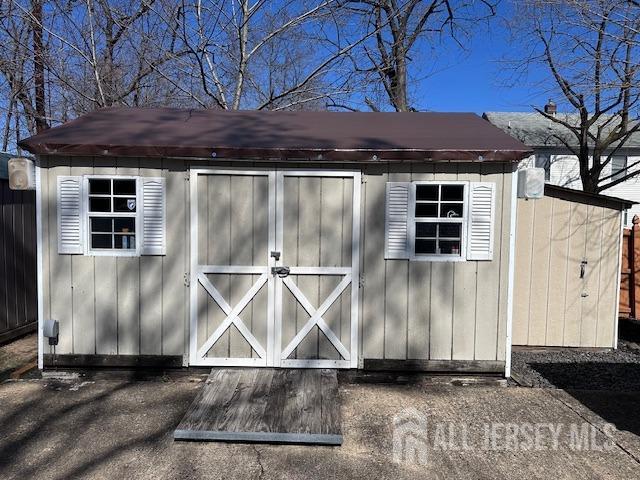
<point x="107" y="429"/>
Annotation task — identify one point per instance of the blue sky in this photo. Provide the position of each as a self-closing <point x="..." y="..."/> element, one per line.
<point x="476" y="79"/>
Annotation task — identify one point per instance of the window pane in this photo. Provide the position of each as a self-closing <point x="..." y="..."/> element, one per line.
<point x="125" y="242"/>
<point x="99" y="204"/>
<point x="450" y="247"/>
<point x="426" y="209"/>
<point x="451" y="230"/>
<point x="427" y="192"/>
<point x="451" y="210"/>
<point x="124" y="187"/>
<point x="122" y="225"/>
<point x="425" y="246"/>
<point x="101" y="224"/>
<point x="618" y="166"/>
<point x="124" y="204"/>
<point x="100" y="241"/>
<point x="99" y="186"/>
<point x="425" y="229"/>
<point x="452" y="193"/>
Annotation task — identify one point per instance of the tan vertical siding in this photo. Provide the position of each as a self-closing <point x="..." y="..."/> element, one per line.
<point x="409" y="310"/>
<point x="558" y="260"/>
<point x="373" y="266"/>
<point x="608" y="295"/>
<point x="433" y="310"/>
<point x="539" y="282"/>
<point x="465" y="277"/>
<point x="117" y="305"/>
<point x="419" y="308"/>
<point x="176" y="263"/>
<point x="83" y="288"/>
<point x="59" y="266"/>
<point x="573" y="301"/>
<point x="522" y="283"/>
<point x="554" y="306"/>
<point x="128" y="286"/>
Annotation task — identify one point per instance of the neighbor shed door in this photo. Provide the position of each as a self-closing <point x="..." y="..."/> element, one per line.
<point x="274" y="256"/>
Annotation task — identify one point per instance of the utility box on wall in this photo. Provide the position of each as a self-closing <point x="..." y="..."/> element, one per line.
<point x="531" y="183"/>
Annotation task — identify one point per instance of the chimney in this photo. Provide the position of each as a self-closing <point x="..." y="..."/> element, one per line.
<point x="551" y="108"/>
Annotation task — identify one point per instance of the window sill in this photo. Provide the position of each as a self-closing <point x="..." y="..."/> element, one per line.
<point x="112" y="253"/>
<point x="437" y="258"/>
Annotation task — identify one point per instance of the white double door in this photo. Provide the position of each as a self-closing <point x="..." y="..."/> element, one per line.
<point x="274" y="268"/>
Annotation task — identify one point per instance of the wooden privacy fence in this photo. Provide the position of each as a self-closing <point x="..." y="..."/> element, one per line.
<point x="630" y="271"/>
<point x="18" y="294"/>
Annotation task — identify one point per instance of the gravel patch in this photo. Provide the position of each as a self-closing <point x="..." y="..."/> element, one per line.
<point x="570" y="368"/>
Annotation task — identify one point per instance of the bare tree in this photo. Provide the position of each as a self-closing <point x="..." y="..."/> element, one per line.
<point x="62" y="58"/>
<point x="404" y="29"/>
<point x="263" y="55"/>
<point x="591" y="51"/>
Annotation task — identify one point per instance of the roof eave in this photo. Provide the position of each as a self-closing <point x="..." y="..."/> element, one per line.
<point x="318" y="154"/>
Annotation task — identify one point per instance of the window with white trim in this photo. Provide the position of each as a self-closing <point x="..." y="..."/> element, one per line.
<point x="438" y="216"/>
<point x="439" y="220"/>
<point x="112" y="213"/>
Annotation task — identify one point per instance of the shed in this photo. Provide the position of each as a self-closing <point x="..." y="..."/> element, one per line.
<point x="567" y="271"/>
<point x="18" y="297"/>
<point x="277" y="239"/>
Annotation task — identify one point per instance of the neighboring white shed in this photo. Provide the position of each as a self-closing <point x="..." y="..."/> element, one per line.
<point x="281" y="239"/>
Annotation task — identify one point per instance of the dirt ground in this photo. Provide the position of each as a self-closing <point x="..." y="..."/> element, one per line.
<point x="111" y="426"/>
<point x="118" y="428"/>
<point x="15" y="354"/>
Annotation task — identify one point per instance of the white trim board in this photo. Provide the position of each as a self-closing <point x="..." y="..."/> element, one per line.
<point x="39" y="264"/>
<point x="511" y="273"/>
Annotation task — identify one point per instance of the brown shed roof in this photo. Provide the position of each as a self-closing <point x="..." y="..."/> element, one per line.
<point x="332" y="136"/>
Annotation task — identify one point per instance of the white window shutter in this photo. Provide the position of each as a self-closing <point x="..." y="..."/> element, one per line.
<point x="69" y="205"/>
<point x="153" y="216"/>
<point x="481" y="220"/>
<point x="396" y="244"/>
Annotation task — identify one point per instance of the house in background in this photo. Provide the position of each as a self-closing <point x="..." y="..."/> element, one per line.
<point x="562" y="167"/>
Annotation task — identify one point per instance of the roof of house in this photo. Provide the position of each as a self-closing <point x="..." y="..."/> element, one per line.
<point x="537" y="131"/>
<point x="316" y="136"/>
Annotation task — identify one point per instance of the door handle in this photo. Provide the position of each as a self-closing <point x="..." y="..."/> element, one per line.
<point x="583" y="267"/>
<point x="280" y="271"/>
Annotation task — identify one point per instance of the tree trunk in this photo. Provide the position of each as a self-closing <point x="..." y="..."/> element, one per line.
<point x="399" y="85"/>
<point x="38" y="68"/>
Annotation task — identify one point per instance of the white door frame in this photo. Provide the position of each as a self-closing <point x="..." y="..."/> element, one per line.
<point x="272" y="353"/>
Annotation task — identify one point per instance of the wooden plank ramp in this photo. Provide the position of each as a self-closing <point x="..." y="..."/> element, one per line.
<point x="265" y="405"/>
